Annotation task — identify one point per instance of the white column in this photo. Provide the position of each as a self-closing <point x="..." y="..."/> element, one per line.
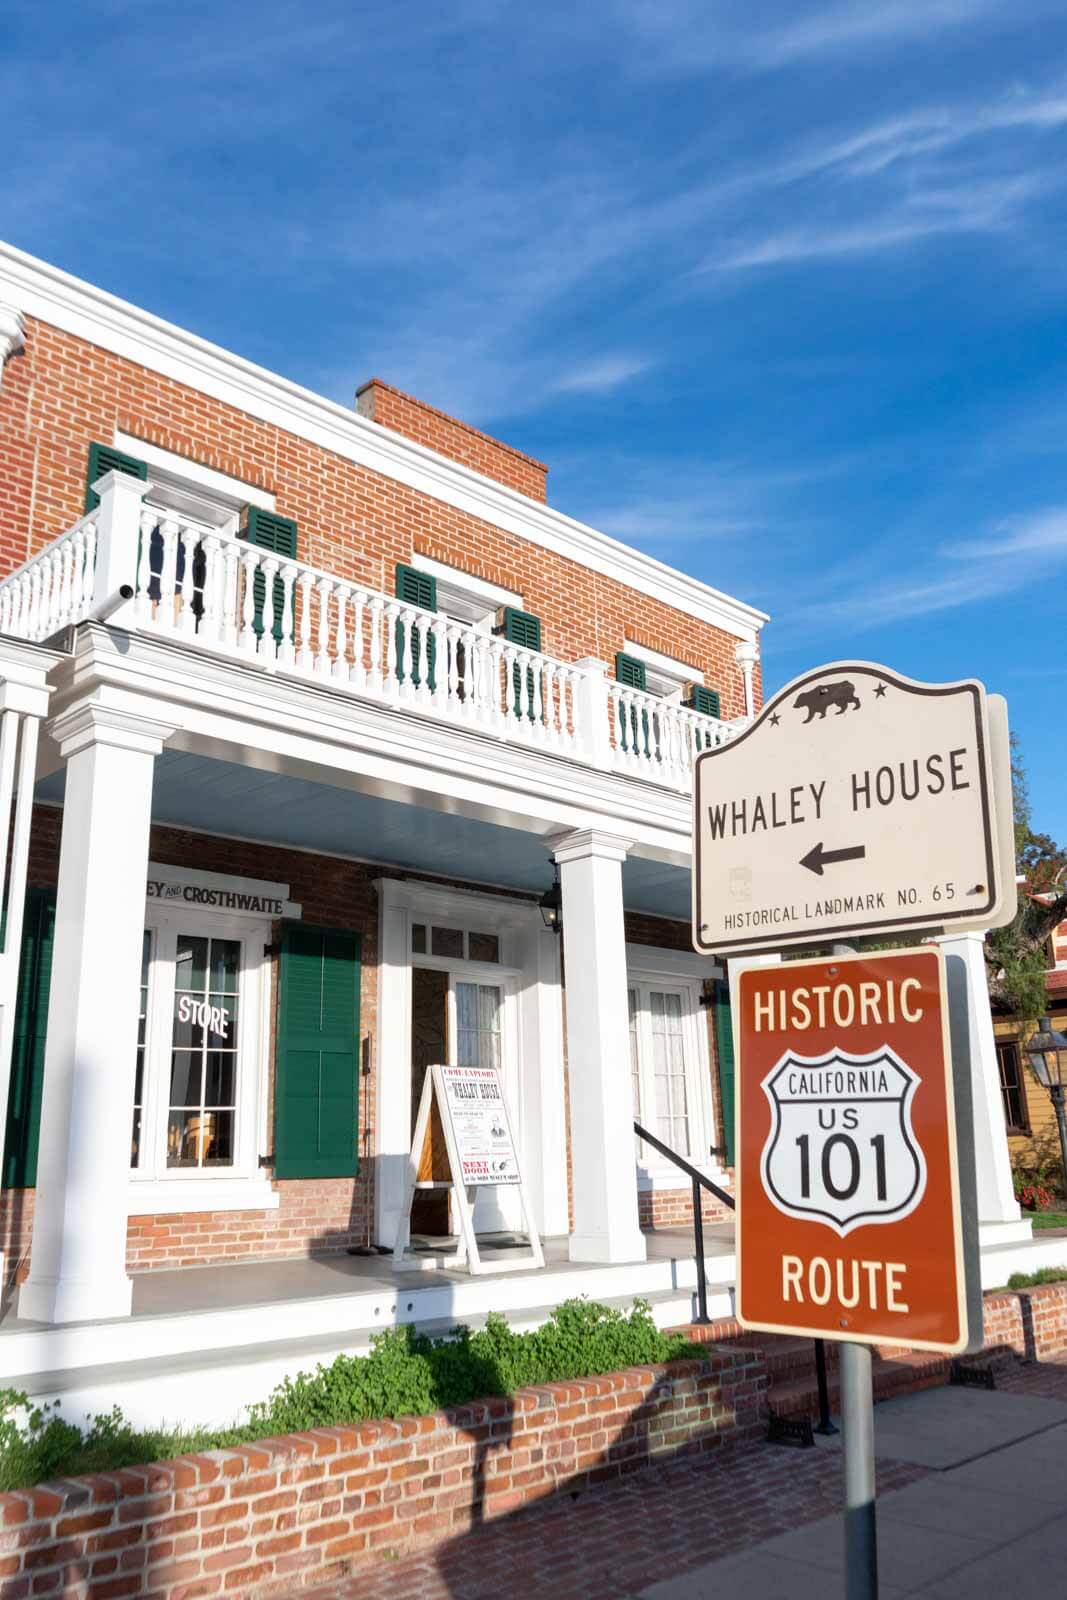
<point x="996" y="1197"/>
<point x="78" y="1263"/>
<point x="603" y="1169"/>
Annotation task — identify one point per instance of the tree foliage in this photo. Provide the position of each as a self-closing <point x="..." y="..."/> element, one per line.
<point x="1016" y="956"/>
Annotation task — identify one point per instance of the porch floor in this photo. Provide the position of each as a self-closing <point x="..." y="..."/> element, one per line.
<point x="230" y="1286"/>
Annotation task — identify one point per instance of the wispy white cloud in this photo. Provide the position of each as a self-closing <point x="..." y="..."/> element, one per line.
<point x="689" y="35"/>
<point x="602" y="375"/>
<point x="1015" y="553"/>
<point x="980" y="207"/>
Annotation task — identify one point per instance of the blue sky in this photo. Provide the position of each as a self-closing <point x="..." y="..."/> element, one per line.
<point x="778" y="291"/>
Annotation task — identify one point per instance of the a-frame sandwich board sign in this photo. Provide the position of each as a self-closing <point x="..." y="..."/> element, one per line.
<point x="479" y="1151"/>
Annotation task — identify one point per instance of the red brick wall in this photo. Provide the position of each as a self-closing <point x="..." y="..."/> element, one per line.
<point x="1032" y="1322"/>
<point x="309" y="1507"/>
<point x="403" y="413"/>
<point x="63" y="392"/>
<point x="673" y="1208"/>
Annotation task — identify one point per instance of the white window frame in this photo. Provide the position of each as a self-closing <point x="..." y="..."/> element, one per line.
<point x="191" y="489"/>
<point x="665" y="676"/>
<point x="679" y="972"/>
<point x="464" y="598"/>
<point x="155" y="1188"/>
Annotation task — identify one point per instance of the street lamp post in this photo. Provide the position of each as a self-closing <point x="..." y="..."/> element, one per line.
<point x="1047" y="1051"/>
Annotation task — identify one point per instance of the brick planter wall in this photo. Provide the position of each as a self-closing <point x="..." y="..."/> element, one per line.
<point x="1032" y="1322"/>
<point x="265" y="1518"/>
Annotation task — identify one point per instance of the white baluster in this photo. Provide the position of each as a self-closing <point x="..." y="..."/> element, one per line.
<point x="374" y="677"/>
<point x="211" y="595"/>
<point x="287" y="648"/>
<point x="552" y="686"/>
<point x="143" y="602"/>
<point x="249" y="564"/>
<point x="16" y="622"/>
<point x="453" y="634"/>
<point x="33" y="617"/>
<point x="358" y="675"/>
<point x="187" y="617"/>
<point x="439" y="634"/>
<point x="340" y="656"/>
<point x="85" y="602"/>
<point x="270" y="623"/>
<point x="168" y="530"/>
<point x="539" y="708"/>
<point x="398" y="643"/>
<point x="322" y="658"/>
<point x="304" y="657"/>
<point x="230" y="585"/>
<point x="7" y="595"/>
<point x="421" y="644"/>
<point x="49" y="594"/>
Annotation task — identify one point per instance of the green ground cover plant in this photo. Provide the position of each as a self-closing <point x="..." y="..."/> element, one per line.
<point x="1030" y="1280"/>
<point x="1049" y="1219"/>
<point x="405" y="1374"/>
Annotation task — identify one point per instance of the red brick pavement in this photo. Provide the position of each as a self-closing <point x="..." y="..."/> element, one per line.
<point x="616" y="1540"/>
<point x="1047" y="1377"/>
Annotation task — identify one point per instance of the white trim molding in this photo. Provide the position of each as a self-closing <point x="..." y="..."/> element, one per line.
<point x="664" y="675"/>
<point x="65" y="302"/>
<point x="12" y="334"/>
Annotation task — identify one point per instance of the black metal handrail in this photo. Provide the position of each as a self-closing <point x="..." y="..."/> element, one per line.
<point x="699" y="1181"/>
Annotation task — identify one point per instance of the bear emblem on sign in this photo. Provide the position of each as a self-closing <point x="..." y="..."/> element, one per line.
<point x="841" y="1149"/>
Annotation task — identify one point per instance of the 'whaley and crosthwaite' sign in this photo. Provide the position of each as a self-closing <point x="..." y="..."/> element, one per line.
<point x="217" y="891"/>
<point x="859" y="802"/>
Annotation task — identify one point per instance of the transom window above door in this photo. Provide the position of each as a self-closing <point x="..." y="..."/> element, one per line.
<point x="456" y="944"/>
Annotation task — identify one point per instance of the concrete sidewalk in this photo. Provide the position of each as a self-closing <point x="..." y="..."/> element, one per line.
<point x="989" y="1519"/>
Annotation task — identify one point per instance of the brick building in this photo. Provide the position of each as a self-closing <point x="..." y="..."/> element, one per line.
<point x="312" y="704"/>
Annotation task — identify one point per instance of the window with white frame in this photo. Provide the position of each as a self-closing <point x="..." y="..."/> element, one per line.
<point x="668" y="1065"/>
<point x="198" y="1053"/>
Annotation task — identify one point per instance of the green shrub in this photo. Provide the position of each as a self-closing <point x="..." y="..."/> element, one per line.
<point x="1030" y="1280"/>
<point x="406" y="1373"/>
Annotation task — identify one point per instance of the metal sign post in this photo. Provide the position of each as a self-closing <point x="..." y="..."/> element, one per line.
<point x="857" y="1441"/>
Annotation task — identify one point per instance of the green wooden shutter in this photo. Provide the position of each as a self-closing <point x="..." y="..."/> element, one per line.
<point x="27" y="1056"/>
<point x="521" y="628"/>
<point x="316" y="1094"/>
<point x="415" y="588"/>
<point x="706" y="701"/>
<point x="524" y="629"/>
<point x="630" y="672"/>
<point x="724" y="1050"/>
<point x="268" y="531"/>
<point x="105" y="458"/>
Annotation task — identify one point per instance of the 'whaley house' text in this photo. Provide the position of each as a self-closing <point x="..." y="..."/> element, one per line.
<point x="803" y="802"/>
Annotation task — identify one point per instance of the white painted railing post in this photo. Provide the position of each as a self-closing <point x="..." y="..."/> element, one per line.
<point x="118" y="536"/>
<point x="591" y="711"/>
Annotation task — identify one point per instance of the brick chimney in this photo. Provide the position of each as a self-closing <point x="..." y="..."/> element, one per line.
<point x="401" y="412"/>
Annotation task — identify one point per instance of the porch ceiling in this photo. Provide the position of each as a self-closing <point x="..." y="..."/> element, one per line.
<point x="223" y="797"/>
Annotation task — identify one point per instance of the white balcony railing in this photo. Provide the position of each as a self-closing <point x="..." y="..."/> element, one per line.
<point x="225" y="595"/>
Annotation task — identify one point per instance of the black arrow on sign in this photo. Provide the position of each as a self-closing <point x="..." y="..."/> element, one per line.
<point x="817" y="858"/>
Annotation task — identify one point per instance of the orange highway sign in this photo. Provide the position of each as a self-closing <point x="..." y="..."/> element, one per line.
<point x="848" y="1216"/>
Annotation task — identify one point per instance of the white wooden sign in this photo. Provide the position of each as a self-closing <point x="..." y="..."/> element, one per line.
<point x="481" y="1152"/>
<point x="859" y="803"/>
